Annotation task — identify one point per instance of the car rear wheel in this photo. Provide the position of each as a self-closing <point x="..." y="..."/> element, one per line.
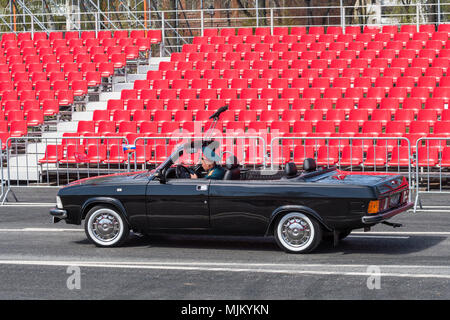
<point x="296" y="232"/>
<point x="106" y="227"/>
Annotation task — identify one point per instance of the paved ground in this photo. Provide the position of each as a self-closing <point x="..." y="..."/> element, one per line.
<point x="35" y="256"/>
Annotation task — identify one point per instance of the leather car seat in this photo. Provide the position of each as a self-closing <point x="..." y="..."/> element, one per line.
<point x="233" y="171"/>
<point x="290" y="170"/>
<point x="309" y="165"/>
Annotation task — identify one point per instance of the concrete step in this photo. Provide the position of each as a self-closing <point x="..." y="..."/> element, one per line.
<point x="121" y="86"/>
<point x="85" y="115"/>
<point x="98" y="105"/>
<point x="50" y="135"/>
<point x="105" y="96"/>
<point x="153" y="64"/>
<point x="68" y="126"/>
<point x="22" y="173"/>
<point x="138" y="76"/>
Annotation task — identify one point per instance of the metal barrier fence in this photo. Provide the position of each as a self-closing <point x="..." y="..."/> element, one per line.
<point x="432" y="165"/>
<point x="36" y="161"/>
<point x="378" y="153"/>
<point x="180" y="26"/>
<point x="2" y="186"/>
<point x="249" y="150"/>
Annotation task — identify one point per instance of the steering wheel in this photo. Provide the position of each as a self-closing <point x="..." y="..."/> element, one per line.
<point x="183" y="172"/>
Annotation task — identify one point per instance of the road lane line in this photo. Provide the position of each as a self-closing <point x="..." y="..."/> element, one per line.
<point x="371" y="234"/>
<point x="250" y="268"/>
<point x="30" y="204"/>
<point x="40" y="230"/>
<point x="359" y="236"/>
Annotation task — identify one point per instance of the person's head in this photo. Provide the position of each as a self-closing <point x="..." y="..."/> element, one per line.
<point x="207" y="164"/>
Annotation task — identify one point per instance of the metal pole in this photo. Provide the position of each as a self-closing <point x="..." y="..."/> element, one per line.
<point x="439" y="12"/>
<point x="342" y="9"/>
<point x="96" y="23"/>
<point x="202" y="22"/>
<point x="257" y="13"/>
<point x="32" y="25"/>
<point x="163" y="38"/>
<point x="271" y="20"/>
<point x="417" y="16"/>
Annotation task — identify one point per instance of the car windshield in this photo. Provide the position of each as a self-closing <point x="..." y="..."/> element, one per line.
<point x="197" y="147"/>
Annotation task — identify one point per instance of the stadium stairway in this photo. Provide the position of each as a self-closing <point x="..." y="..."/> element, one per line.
<point x="35" y="151"/>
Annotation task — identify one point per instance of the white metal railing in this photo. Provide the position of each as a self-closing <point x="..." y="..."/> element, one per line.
<point x="25" y="167"/>
<point x="431" y="165"/>
<point x="47" y="161"/>
<point x="180" y="26"/>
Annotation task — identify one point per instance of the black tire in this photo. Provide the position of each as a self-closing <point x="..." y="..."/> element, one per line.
<point x="302" y="228"/>
<point x="114" y="230"/>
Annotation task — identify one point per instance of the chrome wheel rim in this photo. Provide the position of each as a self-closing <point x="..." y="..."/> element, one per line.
<point x="295" y="231"/>
<point x="105" y="226"/>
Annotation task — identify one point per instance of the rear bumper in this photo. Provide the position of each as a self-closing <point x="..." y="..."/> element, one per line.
<point x="386" y="215"/>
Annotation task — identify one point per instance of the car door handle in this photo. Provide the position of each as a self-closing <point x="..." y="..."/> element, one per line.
<point x="202" y="187"/>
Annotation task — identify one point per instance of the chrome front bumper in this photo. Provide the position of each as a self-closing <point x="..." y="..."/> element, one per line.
<point x="58" y="214"/>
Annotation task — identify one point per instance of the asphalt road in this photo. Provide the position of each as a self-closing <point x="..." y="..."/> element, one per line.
<point x="37" y="259"/>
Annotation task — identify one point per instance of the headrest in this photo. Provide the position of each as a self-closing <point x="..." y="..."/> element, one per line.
<point x="290" y="169"/>
<point x="309" y="165"/>
<point x="232" y="163"/>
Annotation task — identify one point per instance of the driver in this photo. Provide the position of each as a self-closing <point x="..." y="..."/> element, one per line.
<point x="213" y="171"/>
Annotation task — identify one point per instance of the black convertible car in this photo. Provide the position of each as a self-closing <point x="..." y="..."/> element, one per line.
<point x="298" y="208"/>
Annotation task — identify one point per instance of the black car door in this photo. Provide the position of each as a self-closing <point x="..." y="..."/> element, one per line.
<point x="178" y="204"/>
<point x="241" y="207"/>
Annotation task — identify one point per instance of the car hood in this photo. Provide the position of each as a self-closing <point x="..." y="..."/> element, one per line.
<point x="113" y="178"/>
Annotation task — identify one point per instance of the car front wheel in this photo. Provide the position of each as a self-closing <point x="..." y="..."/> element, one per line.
<point x="105" y="227"/>
<point x="296" y="232"/>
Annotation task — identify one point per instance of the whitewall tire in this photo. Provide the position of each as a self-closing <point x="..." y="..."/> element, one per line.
<point x="296" y="232"/>
<point x="106" y="227"/>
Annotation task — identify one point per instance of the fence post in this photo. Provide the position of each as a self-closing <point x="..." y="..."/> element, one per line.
<point x="32" y="25"/>
<point x="439" y="11"/>
<point x="271" y="20"/>
<point x="202" y="23"/>
<point x="96" y="24"/>
<point x="163" y="36"/>
<point x="257" y="13"/>
<point x="1" y="166"/>
<point x="343" y="19"/>
<point x="417" y="16"/>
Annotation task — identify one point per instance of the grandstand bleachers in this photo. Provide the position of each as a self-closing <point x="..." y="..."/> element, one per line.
<point x="372" y="82"/>
<point x="39" y="73"/>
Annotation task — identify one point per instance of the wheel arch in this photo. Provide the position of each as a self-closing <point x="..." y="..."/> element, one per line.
<point x="294" y="208"/>
<point x="115" y="203"/>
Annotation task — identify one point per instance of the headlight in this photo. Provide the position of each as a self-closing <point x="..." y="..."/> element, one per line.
<point x="59" y="204"/>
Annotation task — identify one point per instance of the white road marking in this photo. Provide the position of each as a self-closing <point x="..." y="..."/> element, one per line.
<point x="29" y="204"/>
<point x="432" y="207"/>
<point x="41" y="230"/>
<point x="359" y="234"/>
<point x="409" y="233"/>
<point x="440" y="272"/>
<point x="433" y="210"/>
<point x="378" y="237"/>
